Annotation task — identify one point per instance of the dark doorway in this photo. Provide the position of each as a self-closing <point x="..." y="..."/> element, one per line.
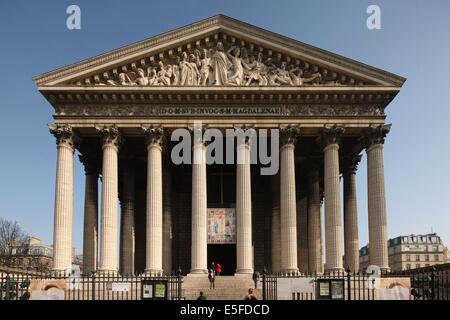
<point x="225" y="254"/>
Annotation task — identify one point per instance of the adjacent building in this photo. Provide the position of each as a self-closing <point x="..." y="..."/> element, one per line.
<point x="411" y="252"/>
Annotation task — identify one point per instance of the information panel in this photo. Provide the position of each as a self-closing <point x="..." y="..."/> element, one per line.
<point x="221" y="225"/>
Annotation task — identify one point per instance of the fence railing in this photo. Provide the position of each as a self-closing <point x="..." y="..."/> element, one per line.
<point x="354" y="286"/>
<point x="106" y="286"/>
<point x="429" y="284"/>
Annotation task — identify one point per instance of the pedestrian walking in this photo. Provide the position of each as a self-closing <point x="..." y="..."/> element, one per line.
<point x="211" y="277"/>
<point x="256" y="279"/>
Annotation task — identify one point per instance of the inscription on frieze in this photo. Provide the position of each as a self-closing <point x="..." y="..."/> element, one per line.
<point x="313" y="110"/>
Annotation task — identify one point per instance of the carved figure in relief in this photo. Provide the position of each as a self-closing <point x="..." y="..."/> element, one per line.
<point x="256" y="71"/>
<point x="162" y="75"/>
<point x="220" y="65"/>
<point x="205" y="68"/>
<point x="142" y="80"/>
<point x="237" y="78"/>
<point x="298" y="80"/>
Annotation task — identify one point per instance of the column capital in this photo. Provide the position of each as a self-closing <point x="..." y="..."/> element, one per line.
<point x="197" y="131"/>
<point x="289" y="135"/>
<point x="110" y="135"/>
<point x="331" y="135"/>
<point x="64" y="134"/>
<point x="375" y="135"/>
<point x="91" y="163"/>
<point x="351" y="163"/>
<point x="154" y="135"/>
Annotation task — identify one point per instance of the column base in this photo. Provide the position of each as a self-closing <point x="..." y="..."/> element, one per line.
<point x="152" y="272"/>
<point x="198" y="271"/>
<point x="334" y="270"/>
<point x="244" y="271"/>
<point x="290" y="270"/>
<point x="105" y="273"/>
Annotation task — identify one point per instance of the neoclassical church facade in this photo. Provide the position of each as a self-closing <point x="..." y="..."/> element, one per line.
<point x="118" y="110"/>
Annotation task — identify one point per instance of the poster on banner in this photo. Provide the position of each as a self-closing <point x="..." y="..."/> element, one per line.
<point x="48" y="289"/>
<point x="393" y="289"/>
<point x="221" y="226"/>
<point x="118" y="286"/>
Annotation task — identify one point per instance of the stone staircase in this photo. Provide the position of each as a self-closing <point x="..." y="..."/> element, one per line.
<point x="227" y="287"/>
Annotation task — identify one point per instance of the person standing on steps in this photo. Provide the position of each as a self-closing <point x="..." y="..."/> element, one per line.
<point x="218" y="268"/>
<point x="211" y="277"/>
<point x="255" y="279"/>
<point x="201" y="296"/>
<point x="213" y="266"/>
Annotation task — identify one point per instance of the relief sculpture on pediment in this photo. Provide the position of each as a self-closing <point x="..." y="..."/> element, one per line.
<point x="218" y="65"/>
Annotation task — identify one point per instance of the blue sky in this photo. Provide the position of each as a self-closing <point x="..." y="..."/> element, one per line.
<point x="413" y="42"/>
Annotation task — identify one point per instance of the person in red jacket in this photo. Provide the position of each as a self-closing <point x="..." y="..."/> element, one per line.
<point x="218" y="269"/>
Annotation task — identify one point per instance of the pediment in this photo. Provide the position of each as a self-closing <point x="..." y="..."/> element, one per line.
<point x="219" y="51"/>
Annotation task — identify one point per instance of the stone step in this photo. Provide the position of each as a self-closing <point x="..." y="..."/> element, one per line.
<point x="226" y="287"/>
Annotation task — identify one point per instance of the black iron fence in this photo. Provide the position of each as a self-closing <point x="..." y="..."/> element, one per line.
<point x="426" y="284"/>
<point x="109" y="286"/>
<point x="335" y="285"/>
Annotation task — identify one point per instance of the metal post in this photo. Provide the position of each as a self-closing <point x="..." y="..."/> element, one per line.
<point x="93" y="286"/>
<point x="264" y="283"/>
<point x="348" y="284"/>
<point x="180" y="278"/>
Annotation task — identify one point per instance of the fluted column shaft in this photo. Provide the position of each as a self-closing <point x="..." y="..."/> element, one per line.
<point x="199" y="210"/>
<point x="153" y="263"/>
<point x="378" y="250"/>
<point x="302" y="232"/>
<point x="110" y="201"/>
<point x="128" y="227"/>
<point x="351" y="241"/>
<point x="167" y="218"/>
<point x="62" y="232"/>
<point x="288" y="209"/>
<point x="90" y="229"/>
<point x="314" y="223"/>
<point x="244" y="250"/>
<point x="333" y="224"/>
<point x="276" y="224"/>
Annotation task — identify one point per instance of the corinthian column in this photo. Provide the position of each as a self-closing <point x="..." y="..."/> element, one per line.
<point x="128" y="228"/>
<point x="109" y="218"/>
<point x="167" y="217"/>
<point x="244" y="250"/>
<point x="154" y="244"/>
<point x="378" y="250"/>
<point x="62" y="230"/>
<point x="288" y="205"/>
<point x="333" y="224"/>
<point x="276" y="227"/>
<point x="314" y="222"/>
<point x="199" y="205"/>
<point x="90" y="229"/>
<point x="351" y="215"/>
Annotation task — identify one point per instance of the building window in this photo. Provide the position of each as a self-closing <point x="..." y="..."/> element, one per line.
<point x="408" y="257"/>
<point x="427" y="257"/>
<point x="417" y="265"/>
<point x="417" y="257"/>
<point x="436" y="257"/>
<point x="408" y="266"/>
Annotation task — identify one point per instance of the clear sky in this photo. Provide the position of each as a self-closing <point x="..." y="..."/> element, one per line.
<point x="414" y="42"/>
